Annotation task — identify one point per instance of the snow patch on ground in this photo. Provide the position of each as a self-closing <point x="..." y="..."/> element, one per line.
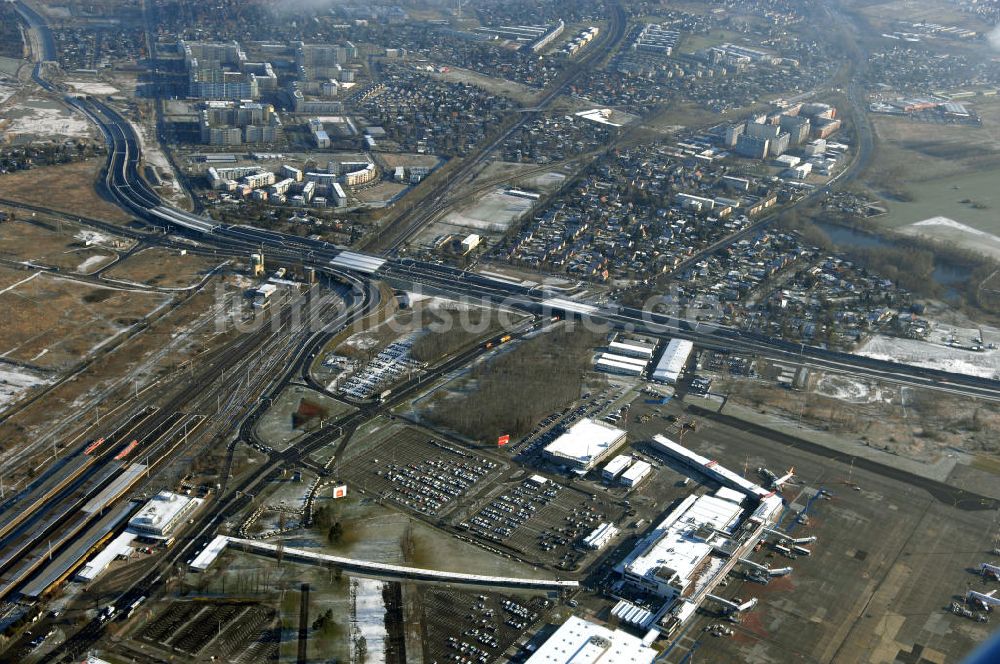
<point x="846" y="388"/>
<point x="6" y="91"/>
<point x="153" y="156"/>
<point x="92" y="237"/>
<point x="15" y="382"/>
<point x="437" y="303"/>
<point x="361" y="341"/>
<point x="956" y="225"/>
<point x="494" y="212"/>
<point x="45" y="122"/>
<point x="916" y="352"/>
<point x="22" y="281"/>
<point x="368" y="621"/>
<point x="93" y="87"/>
<point x="92" y="263"/>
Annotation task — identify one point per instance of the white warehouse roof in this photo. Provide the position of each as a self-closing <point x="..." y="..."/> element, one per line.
<point x="580" y="641"/>
<point x="636" y="472"/>
<point x="615" y="366"/>
<point x="119" y="546"/>
<point x="585" y="443"/>
<point x="618" y="465"/>
<point x="672" y="362"/>
<point x="632" y="348"/>
<point x="625" y="359"/>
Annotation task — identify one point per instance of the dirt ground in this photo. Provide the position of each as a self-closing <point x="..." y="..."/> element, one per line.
<point x="394" y="160"/>
<point x="66" y="188"/>
<point x="516" y="91"/>
<point x="165" y="268"/>
<point x="921" y="425"/>
<point x="107" y="383"/>
<point x="55" y="322"/>
<point x="45" y="240"/>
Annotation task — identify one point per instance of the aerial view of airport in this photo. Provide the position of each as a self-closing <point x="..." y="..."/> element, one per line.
<point x="474" y="331"/>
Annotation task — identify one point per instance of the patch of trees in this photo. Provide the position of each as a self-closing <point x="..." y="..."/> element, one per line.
<point x="466" y="327"/>
<point x="26" y="158"/>
<point x="516" y="389"/>
<point x="11" y="45"/>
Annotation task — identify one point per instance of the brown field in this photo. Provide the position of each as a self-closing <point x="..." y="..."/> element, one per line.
<point x="54" y="322"/>
<point x="67" y="188"/>
<point x="916" y="11"/>
<point x="918" y="151"/>
<point x="47" y="241"/>
<point x="499" y="86"/>
<point x="108" y="382"/>
<point x="10" y="276"/>
<point x="164" y="268"/>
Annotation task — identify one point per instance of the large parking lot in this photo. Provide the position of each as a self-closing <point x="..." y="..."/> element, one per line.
<point x="421" y="473"/>
<point x="465" y="627"/>
<point x="542" y="520"/>
<point x="389" y="366"/>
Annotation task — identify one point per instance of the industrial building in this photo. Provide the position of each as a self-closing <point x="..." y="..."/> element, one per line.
<point x="619" y="364"/>
<point x="162" y="514"/>
<point x="636" y="473"/>
<point x="672" y="558"/>
<point x="580" y="641"/>
<point x="703" y="538"/>
<point x="600" y="536"/>
<point x="471" y="242"/>
<point x="632" y="349"/>
<point x="673" y="360"/>
<point x="616" y="466"/>
<point x="584" y="445"/>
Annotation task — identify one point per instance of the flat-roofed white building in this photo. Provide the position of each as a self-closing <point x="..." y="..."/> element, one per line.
<point x="618" y="365"/>
<point x="632" y="349"/>
<point x="119" y="547"/>
<point x="585" y="444"/>
<point x="579" y="641"/>
<point x="636" y="473"/>
<point x="617" y="466"/>
<point x="672" y="362"/>
<point x="625" y="359"/>
<point x="600" y="536"/>
<point x="158" y="518"/>
<point x="671" y="558"/>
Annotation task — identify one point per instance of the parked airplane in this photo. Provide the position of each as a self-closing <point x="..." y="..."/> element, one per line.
<point x="984" y="601"/>
<point x="775" y="482"/>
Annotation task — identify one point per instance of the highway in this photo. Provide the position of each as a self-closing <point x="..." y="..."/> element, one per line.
<point x="125" y="185"/>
